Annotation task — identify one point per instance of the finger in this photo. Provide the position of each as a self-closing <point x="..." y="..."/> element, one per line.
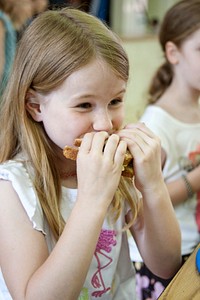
<point x="111" y="146"/>
<point x="93" y="142"/>
<point x="143" y="148"/>
<point x="132" y="131"/>
<point x="86" y="143"/>
<point x="98" y="142"/>
<point x="141" y="127"/>
<point x="135" y="138"/>
<point x="120" y="152"/>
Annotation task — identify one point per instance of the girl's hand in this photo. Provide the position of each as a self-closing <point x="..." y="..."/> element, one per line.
<point x="99" y="168"/>
<point x="146" y="150"/>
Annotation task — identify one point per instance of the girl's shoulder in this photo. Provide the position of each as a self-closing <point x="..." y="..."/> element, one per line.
<point x="155" y="114"/>
<point x="15" y="171"/>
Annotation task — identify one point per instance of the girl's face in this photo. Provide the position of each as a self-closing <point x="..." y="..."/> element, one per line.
<point x="188" y="66"/>
<point x="91" y="99"/>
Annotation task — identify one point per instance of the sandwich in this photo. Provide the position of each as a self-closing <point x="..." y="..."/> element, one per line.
<point x="127" y="170"/>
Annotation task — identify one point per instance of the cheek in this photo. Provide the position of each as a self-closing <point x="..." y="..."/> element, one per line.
<point x="67" y="129"/>
<point x="57" y="134"/>
<point x="118" y="119"/>
<point x="58" y="128"/>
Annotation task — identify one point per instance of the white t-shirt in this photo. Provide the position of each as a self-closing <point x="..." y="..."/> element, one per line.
<point x="179" y="140"/>
<point x="111" y="274"/>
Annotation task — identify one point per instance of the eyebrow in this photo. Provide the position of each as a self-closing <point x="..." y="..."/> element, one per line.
<point x="92" y="95"/>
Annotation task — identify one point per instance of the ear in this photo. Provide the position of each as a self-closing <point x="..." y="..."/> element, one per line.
<point x="172" y="51"/>
<point x="33" y="105"/>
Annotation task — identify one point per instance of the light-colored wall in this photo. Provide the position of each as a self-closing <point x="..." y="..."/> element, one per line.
<point x="141" y="44"/>
<point x="158" y="8"/>
<point x="145" y="56"/>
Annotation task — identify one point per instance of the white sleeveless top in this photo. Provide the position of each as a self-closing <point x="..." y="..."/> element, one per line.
<point x="179" y="140"/>
<point x="111" y="274"/>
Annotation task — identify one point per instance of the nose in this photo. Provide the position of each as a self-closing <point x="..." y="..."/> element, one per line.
<point x="102" y="122"/>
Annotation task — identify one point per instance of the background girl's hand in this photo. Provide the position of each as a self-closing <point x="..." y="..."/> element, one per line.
<point x="146" y="150"/>
<point x="98" y="168"/>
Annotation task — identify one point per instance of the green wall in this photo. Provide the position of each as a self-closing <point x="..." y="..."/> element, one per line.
<point x="157" y="8"/>
<point x="145" y="56"/>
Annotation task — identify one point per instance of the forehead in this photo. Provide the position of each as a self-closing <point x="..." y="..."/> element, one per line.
<point x="96" y="79"/>
<point x="95" y="71"/>
<point x="95" y="74"/>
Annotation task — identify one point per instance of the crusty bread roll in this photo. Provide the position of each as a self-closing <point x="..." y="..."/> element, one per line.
<point x="127" y="171"/>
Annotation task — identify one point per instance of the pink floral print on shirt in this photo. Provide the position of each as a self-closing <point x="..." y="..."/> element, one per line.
<point x="105" y="243"/>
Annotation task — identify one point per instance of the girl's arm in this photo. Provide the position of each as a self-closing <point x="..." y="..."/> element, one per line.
<point x="29" y="271"/>
<point x="156" y="230"/>
<point x="178" y="190"/>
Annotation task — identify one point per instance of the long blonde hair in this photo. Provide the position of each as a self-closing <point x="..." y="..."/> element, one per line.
<point x="55" y="44"/>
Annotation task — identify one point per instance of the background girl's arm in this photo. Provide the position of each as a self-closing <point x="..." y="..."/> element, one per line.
<point x="178" y="190"/>
<point x="30" y="272"/>
<point x="156" y="229"/>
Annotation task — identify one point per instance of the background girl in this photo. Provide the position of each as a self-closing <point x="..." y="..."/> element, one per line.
<point x="173" y="114"/>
